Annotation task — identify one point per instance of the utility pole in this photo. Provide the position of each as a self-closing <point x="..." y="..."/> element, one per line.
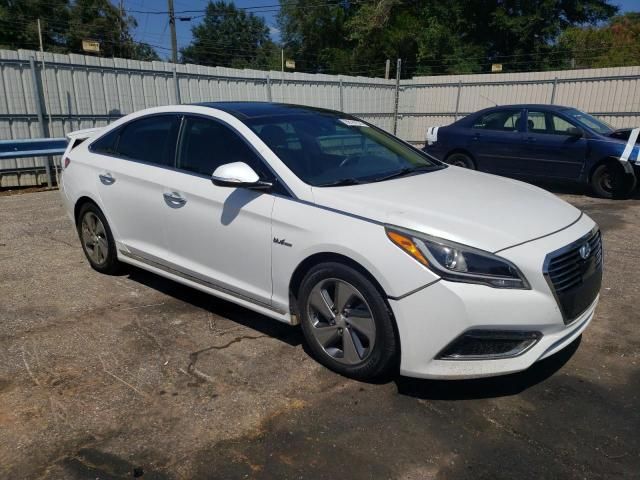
<point x="174" y="41"/>
<point x="282" y="70"/>
<point x="397" y="97"/>
<point x="387" y="69"/>
<point x="46" y="95"/>
<point x="121" y="27"/>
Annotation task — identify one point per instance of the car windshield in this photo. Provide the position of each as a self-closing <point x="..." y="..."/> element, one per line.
<point x="588" y="121"/>
<point x="329" y="149"/>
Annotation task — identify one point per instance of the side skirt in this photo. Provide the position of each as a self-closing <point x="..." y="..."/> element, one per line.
<point x="203" y="285"/>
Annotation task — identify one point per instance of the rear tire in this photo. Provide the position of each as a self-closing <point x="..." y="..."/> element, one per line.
<point x="97" y="240"/>
<point x="610" y="180"/>
<point x="460" y="160"/>
<point x="346" y="322"/>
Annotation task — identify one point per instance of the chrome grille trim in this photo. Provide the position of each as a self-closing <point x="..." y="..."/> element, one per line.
<point x="562" y="270"/>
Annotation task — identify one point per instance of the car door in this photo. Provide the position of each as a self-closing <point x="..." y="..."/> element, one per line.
<point x="131" y="162"/>
<point x="555" y="147"/>
<point x="218" y="235"/>
<point x="495" y="141"/>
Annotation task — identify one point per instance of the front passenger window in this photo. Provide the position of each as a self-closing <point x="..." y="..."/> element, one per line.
<point x="206" y="144"/>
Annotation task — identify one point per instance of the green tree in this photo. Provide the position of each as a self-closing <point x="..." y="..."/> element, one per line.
<point x="612" y="45"/>
<point x="101" y="20"/>
<point x="19" y="29"/>
<point x="432" y="36"/>
<point x="230" y="37"/>
<point x="64" y="25"/>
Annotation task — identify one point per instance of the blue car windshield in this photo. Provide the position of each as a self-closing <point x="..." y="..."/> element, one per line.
<point x="588" y="121"/>
<point x="330" y="149"/>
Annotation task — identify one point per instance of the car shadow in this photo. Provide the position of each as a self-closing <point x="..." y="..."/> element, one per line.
<point x="502" y="386"/>
<point x="217" y="306"/>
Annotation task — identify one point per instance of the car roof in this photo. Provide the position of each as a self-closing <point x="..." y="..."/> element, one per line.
<point x="251" y="110"/>
<point x="544" y="106"/>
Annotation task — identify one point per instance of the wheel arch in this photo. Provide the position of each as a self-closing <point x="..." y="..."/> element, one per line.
<point x="325" y="257"/>
<point x="463" y="151"/>
<point x="608" y="160"/>
<point x="80" y="202"/>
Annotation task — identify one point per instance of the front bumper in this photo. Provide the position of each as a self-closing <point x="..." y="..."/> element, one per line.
<point x="430" y="319"/>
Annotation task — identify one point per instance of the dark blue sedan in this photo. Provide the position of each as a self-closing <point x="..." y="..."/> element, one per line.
<point x="542" y="142"/>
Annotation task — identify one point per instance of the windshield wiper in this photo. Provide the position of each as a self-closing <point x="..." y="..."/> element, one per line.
<point x="404" y="172"/>
<point x="341" y="182"/>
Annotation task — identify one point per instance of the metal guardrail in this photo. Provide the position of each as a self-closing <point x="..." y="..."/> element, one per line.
<point x="33" y="147"/>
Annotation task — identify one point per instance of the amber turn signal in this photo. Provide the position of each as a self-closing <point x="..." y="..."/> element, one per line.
<point x="406" y="244"/>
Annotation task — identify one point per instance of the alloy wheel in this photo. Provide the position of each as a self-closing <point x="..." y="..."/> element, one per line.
<point x="341" y="320"/>
<point x="94" y="238"/>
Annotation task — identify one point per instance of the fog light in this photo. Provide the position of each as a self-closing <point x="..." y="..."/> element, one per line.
<point x="489" y="345"/>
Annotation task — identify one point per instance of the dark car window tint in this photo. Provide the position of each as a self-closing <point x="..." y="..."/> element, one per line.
<point x="537" y="122"/>
<point x="503" y="120"/>
<point x="336" y="149"/>
<point x="207" y="144"/>
<point x="151" y="139"/>
<point x="107" y="143"/>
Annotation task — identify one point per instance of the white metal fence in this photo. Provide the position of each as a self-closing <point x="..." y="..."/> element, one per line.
<point x="78" y="91"/>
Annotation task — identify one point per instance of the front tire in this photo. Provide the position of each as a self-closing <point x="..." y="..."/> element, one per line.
<point x="97" y="240"/>
<point x="460" y="159"/>
<point x="610" y="180"/>
<point x="346" y="322"/>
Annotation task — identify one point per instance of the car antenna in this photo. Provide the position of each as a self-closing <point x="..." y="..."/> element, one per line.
<point x="495" y="104"/>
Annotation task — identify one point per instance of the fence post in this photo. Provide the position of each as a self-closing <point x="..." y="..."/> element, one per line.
<point x="341" y="99"/>
<point x="553" y="91"/>
<point x="397" y="97"/>
<point x="269" y="97"/>
<point x="458" y="100"/>
<point x="175" y="84"/>
<point x="38" y="101"/>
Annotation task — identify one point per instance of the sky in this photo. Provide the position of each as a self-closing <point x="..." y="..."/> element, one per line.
<point x="154" y="28"/>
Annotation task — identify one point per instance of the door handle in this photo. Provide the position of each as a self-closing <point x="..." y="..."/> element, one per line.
<point x="475" y="137"/>
<point x="174" y="199"/>
<point x="107" y="178"/>
<point x="531" y="139"/>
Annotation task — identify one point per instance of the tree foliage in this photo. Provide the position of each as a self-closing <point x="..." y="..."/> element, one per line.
<point x="431" y="36"/>
<point x="612" y="45"/>
<point x="230" y="37"/>
<point x="65" y="24"/>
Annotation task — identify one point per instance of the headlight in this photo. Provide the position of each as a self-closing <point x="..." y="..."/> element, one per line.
<point x="456" y="262"/>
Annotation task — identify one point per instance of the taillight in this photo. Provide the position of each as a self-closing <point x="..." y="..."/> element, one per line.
<point x="67" y="161"/>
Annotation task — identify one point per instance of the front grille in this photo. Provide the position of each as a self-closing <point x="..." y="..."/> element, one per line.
<point x="575" y="280"/>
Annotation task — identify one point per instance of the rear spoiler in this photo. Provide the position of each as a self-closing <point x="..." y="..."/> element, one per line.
<point x="83" y="134"/>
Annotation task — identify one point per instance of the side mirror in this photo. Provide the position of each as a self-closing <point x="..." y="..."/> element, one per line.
<point x="238" y="175"/>
<point x="575" y="132"/>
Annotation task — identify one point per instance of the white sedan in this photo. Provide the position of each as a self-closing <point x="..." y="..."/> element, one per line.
<point x="388" y="258"/>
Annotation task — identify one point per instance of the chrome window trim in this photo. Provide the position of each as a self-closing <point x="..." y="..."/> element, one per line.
<point x="181" y="116"/>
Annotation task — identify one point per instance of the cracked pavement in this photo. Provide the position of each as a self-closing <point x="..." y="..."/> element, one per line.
<point x="135" y="376"/>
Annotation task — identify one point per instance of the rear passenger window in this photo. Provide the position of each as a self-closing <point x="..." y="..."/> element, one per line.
<point x="503" y="120"/>
<point x="151" y="139"/>
<point x="206" y="144"/>
<point x="107" y="143"/>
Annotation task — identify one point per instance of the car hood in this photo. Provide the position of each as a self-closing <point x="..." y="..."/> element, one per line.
<point x="465" y="206"/>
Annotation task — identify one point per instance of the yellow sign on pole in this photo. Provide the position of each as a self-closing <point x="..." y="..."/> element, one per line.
<point x="91" y="46"/>
<point x="290" y="64"/>
<point x="496" y="67"/>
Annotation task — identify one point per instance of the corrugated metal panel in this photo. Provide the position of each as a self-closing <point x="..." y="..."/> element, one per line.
<point x="85" y="91"/>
